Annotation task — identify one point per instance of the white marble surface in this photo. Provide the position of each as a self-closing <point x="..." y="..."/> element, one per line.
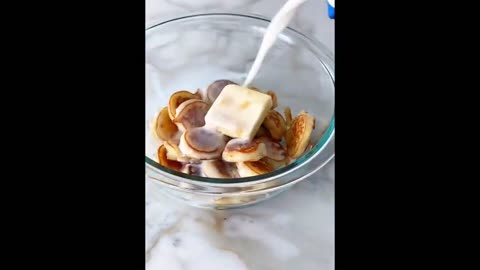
<point x="294" y="230"/>
<point x="291" y="231"/>
<point x="312" y="18"/>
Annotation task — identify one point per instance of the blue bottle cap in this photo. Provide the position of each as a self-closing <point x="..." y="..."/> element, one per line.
<point x="331" y="9"/>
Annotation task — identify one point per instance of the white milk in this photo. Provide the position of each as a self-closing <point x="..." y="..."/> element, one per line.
<point x="278" y="23"/>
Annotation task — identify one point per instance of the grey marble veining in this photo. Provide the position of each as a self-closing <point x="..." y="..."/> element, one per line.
<point x="294" y="230"/>
<point x="291" y="231"/>
<point x="312" y="16"/>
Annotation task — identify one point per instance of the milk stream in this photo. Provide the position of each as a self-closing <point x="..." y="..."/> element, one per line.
<point x="278" y="23"/>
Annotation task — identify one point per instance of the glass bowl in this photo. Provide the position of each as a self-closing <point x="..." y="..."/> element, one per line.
<point x="190" y="52"/>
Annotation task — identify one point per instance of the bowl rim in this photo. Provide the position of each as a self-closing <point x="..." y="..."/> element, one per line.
<point x="326" y="138"/>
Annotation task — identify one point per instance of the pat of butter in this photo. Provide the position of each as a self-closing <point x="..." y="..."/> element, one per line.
<point x="238" y="112"/>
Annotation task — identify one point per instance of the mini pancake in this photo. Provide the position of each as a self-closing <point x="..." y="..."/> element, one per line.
<point x="274" y="99"/>
<point x="253" y="168"/>
<point x="202" y="143"/>
<point x="299" y="133"/>
<point x="218" y="169"/>
<point x="240" y="150"/>
<point x="164" y="161"/>
<point x="275" y="151"/>
<point x="178" y="98"/>
<point x="288" y="116"/>
<point x="215" y="88"/>
<point x="191" y="114"/>
<point x="275" y="124"/>
<point x="164" y="128"/>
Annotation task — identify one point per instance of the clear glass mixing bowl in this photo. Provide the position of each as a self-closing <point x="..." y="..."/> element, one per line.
<point x="190" y="52"/>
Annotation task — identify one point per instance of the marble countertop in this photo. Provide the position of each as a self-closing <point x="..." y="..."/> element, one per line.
<point x="294" y="230"/>
<point x="312" y="17"/>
